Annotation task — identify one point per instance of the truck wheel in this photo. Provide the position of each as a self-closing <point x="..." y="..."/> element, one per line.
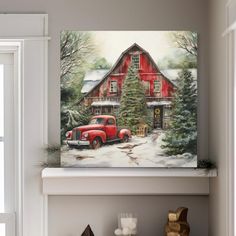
<point x="125" y="139"/>
<point x="96" y="143"/>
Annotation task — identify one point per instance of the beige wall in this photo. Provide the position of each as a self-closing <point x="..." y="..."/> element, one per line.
<point x="121" y="15"/>
<point x="68" y="216"/>
<point x="217" y="117"/>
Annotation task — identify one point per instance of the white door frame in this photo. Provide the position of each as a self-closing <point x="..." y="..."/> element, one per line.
<point x="9" y="220"/>
<point x="30" y="33"/>
<point x="11" y="170"/>
<point x="230" y="34"/>
<point x="230" y="134"/>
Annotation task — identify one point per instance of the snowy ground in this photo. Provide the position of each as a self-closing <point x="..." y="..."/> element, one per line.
<point x="139" y="152"/>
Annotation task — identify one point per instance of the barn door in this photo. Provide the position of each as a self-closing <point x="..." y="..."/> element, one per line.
<point x="158" y="117"/>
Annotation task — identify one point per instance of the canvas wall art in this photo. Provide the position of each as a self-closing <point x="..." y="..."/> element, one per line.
<point x="128" y="98"/>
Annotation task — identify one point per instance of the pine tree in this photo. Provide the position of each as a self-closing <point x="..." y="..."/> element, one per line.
<point x="133" y="106"/>
<point x="71" y="118"/>
<point x="182" y="135"/>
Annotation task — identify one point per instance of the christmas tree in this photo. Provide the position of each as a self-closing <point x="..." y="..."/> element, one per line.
<point x="182" y="135"/>
<point x="133" y="106"/>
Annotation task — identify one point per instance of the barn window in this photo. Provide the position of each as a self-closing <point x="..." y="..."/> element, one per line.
<point x="107" y="110"/>
<point x="167" y="111"/>
<point x="97" y="111"/>
<point x="115" y="110"/>
<point x="113" y="86"/>
<point x="146" y="85"/>
<point x="136" y="61"/>
<point x="157" y="86"/>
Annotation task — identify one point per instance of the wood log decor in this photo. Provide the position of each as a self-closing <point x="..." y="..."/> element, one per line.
<point x="177" y="224"/>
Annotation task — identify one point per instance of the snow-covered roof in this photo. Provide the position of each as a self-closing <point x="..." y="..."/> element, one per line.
<point x="114" y="103"/>
<point x="95" y="75"/>
<point x="158" y="103"/>
<point x="105" y="103"/>
<point x="88" y="85"/>
<point x="92" y="78"/>
<point x="172" y="74"/>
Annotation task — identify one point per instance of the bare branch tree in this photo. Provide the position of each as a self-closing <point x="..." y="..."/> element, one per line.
<point x="76" y="49"/>
<point x="186" y="40"/>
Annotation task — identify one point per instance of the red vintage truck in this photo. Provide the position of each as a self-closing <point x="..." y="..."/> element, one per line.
<point x="101" y="129"/>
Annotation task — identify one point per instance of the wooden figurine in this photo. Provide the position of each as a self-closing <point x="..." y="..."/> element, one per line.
<point x="177" y="224"/>
<point x="88" y="231"/>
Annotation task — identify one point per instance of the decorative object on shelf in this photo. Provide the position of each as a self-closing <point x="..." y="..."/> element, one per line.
<point x="127" y="225"/>
<point x="177" y="224"/>
<point x="141" y="91"/>
<point x="88" y="231"/>
<point x="53" y="153"/>
<point x="205" y="164"/>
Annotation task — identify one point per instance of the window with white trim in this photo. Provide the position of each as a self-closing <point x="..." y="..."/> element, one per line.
<point x="113" y="86"/>
<point x="29" y="35"/>
<point x="7" y="161"/>
<point x="146" y="85"/>
<point x="97" y="111"/>
<point x="157" y="86"/>
<point x="233" y="170"/>
<point x="136" y="60"/>
<point x="2" y="228"/>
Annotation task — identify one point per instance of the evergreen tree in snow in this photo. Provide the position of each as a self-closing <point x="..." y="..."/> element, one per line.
<point x="133" y="106"/>
<point x="71" y="118"/>
<point x="182" y="135"/>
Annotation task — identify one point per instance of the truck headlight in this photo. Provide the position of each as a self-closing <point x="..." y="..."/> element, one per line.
<point x="86" y="135"/>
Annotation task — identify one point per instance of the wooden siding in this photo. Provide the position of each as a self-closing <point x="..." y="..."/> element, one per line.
<point x="148" y="72"/>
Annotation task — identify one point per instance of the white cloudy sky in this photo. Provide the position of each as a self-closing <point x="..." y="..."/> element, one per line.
<point x="112" y="43"/>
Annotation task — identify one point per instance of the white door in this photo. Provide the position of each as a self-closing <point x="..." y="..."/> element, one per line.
<point x="7" y="155"/>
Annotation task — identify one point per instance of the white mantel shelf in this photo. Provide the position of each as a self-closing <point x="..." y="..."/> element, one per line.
<point x="104" y="181"/>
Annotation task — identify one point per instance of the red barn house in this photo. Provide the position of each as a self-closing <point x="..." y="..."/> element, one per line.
<point x="102" y="89"/>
